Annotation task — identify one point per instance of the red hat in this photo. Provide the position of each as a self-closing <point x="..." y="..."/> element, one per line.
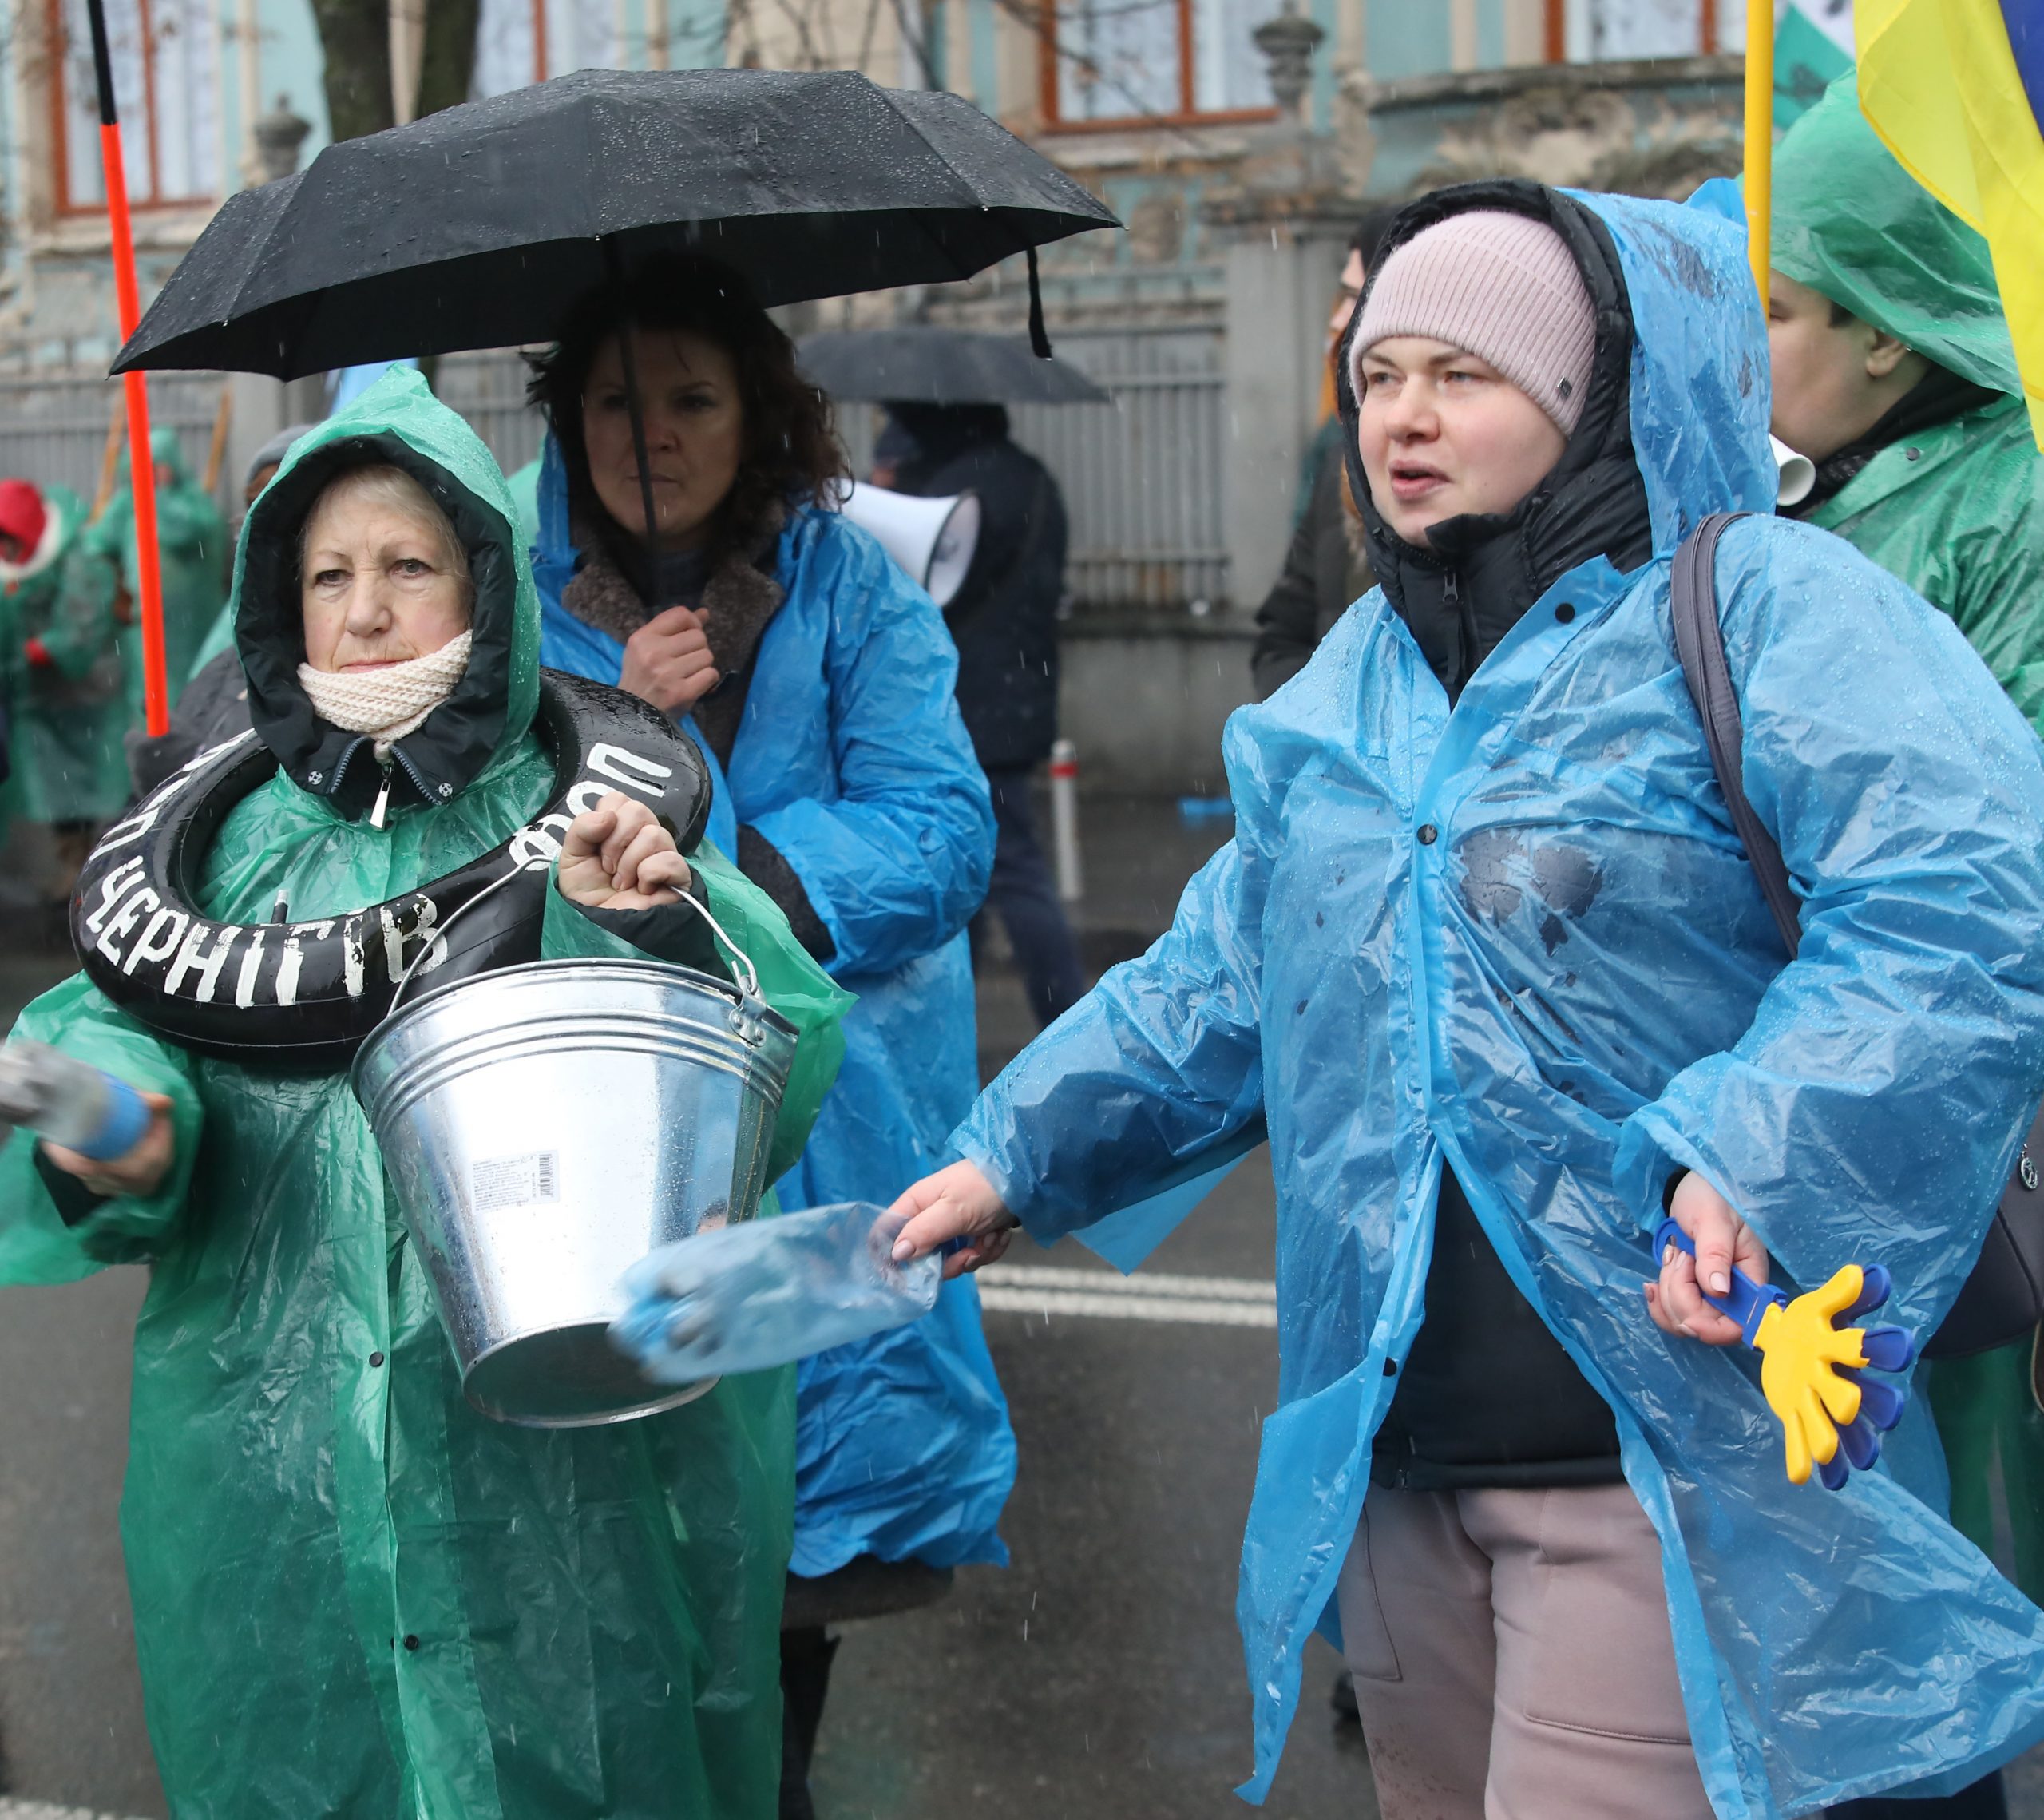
<point x="23" y="514"/>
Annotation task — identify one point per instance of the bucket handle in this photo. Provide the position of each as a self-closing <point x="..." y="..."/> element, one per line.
<point x="535" y="864"/>
<point x="749" y="985"/>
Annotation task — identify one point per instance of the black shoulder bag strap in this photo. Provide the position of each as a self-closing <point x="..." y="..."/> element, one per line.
<point x="2003" y="1298"/>
<point x="1700" y="644"/>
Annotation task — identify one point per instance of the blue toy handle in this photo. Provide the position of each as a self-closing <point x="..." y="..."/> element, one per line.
<point x="125" y="1121"/>
<point x="1747" y="1300"/>
<point x="1885" y="1349"/>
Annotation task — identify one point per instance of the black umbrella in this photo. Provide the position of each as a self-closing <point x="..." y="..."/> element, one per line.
<point x="940" y="366"/>
<point x="480" y="226"/>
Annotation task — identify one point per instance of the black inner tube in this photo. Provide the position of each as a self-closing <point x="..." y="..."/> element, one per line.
<point x="300" y="997"/>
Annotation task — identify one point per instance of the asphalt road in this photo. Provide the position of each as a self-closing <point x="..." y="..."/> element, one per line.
<point x="1100" y="1673"/>
<point x="70" y="1701"/>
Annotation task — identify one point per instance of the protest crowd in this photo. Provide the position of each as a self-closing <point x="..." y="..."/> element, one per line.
<point x="528" y="950"/>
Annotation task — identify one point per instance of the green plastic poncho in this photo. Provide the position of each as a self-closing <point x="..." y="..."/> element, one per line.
<point x="69" y="711"/>
<point x="1955" y="511"/>
<point x="353" y="1594"/>
<point x="192" y="543"/>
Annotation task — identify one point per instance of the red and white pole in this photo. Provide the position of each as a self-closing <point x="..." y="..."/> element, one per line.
<point x="141" y="470"/>
<point x="1064" y="821"/>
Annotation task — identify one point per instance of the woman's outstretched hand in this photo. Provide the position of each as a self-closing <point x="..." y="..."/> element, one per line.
<point x="618" y="857"/>
<point x="140" y="1171"/>
<point x="956" y="1202"/>
<point x="667" y="661"/>
<point x="1724" y="1242"/>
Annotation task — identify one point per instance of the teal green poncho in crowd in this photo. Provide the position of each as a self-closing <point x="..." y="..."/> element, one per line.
<point x="192" y="543"/>
<point x="64" y="662"/>
<point x="354" y="1596"/>
<point x="1956" y="510"/>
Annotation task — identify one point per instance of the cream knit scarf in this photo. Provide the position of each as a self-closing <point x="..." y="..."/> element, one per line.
<point x="389" y="703"/>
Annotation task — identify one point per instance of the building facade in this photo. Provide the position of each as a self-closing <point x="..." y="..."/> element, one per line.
<point x="1237" y="140"/>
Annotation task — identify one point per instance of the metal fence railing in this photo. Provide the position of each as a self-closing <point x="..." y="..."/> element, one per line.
<point x="489" y="391"/>
<point x="53" y="426"/>
<point x="1142" y="477"/>
<point x="1143" y="480"/>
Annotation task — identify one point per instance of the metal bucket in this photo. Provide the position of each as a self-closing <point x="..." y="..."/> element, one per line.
<point x="545" y="1126"/>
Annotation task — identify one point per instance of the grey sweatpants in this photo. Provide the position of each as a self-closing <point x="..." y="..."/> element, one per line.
<point x="1513" y="1660"/>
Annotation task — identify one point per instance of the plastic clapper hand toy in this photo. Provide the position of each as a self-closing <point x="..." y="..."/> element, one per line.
<point x="1811" y="1366"/>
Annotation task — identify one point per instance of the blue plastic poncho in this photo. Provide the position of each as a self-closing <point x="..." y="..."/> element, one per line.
<point x="1521" y="936"/>
<point x="852" y="760"/>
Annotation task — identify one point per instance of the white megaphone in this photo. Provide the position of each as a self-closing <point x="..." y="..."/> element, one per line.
<point x="1797" y="473"/>
<point x="932" y="539"/>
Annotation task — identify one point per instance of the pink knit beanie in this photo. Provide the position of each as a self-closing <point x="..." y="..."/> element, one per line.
<point x="1504" y="287"/>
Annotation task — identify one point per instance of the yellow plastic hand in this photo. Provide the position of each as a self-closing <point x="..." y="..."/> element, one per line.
<point x="1799" y="1350"/>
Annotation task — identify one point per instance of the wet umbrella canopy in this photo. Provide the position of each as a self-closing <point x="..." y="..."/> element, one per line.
<point x="940" y="366"/>
<point x="480" y="226"/>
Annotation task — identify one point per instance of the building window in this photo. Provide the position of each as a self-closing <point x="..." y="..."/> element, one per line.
<point x="521" y="42"/>
<point x="1597" y="31"/>
<point x="1131" y="61"/>
<point x="165" y="84"/>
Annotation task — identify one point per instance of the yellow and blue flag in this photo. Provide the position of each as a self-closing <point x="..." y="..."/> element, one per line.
<point x="1955" y="90"/>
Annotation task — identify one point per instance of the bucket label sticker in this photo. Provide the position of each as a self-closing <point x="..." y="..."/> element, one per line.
<point x="515" y="1181"/>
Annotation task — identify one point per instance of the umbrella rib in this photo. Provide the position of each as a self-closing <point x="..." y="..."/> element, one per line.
<point x="997" y="209"/>
<point x="960" y="272"/>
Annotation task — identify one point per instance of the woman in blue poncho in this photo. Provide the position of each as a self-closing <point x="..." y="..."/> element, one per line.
<point x="819" y="681"/>
<point x="1487" y="963"/>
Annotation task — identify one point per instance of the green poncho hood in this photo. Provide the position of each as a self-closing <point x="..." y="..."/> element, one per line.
<point x="1851" y="222"/>
<point x="397" y="421"/>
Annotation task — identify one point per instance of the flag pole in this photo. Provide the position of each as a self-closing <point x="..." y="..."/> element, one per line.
<point x="141" y="470"/>
<point x="1760" y="137"/>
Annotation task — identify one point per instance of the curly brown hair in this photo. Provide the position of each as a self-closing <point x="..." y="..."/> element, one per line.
<point x="792" y="453"/>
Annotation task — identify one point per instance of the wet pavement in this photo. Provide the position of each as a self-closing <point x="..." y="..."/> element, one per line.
<point x="1098" y="1677"/>
<point x="1100" y="1673"/>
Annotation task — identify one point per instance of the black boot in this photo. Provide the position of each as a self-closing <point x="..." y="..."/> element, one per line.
<point x="806" y="1657"/>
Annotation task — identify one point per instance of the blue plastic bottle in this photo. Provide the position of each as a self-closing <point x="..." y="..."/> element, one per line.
<point x="69" y="1101"/>
<point x="763" y="1294"/>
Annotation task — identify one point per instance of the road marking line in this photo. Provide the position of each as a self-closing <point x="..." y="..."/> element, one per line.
<point x="43" y="1810"/>
<point x="1148" y="1285"/>
<point x="1192" y="1301"/>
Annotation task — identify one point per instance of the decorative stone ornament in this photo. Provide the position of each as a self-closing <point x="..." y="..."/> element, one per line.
<point x="1287" y="43"/>
<point x="279" y="134"/>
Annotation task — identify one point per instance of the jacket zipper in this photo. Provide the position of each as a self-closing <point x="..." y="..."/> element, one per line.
<point x="1466" y="622"/>
<point x="341" y="767"/>
<point x="411" y="770"/>
<point x="381" y="811"/>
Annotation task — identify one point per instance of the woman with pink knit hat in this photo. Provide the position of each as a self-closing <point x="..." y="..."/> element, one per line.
<point x="1487" y="965"/>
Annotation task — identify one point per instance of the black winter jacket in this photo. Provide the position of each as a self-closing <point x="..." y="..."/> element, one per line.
<point x="1325" y="574"/>
<point x="1004" y="619"/>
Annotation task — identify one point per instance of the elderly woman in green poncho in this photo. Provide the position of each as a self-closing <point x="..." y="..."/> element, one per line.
<point x="354" y="1596"/>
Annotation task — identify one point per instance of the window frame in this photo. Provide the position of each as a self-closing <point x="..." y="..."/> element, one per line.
<point x="1049" y="58"/>
<point x="63" y="206"/>
<point x="1555" y="31"/>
